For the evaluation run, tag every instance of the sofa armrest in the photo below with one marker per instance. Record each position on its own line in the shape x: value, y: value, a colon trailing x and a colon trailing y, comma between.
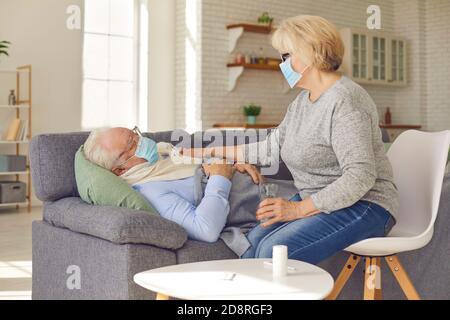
x: 116, y: 224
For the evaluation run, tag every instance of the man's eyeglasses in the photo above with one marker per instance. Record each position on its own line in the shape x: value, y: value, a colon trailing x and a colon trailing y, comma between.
x: 136, y: 132
x: 285, y: 56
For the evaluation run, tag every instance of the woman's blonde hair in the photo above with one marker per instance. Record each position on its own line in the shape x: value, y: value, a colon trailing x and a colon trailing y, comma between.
x: 314, y: 39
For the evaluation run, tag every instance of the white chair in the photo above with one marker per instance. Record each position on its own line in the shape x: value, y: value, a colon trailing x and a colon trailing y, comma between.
x: 418, y: 161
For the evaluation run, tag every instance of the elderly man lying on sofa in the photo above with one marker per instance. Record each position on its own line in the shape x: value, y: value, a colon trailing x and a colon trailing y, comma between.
x: 194, y: 196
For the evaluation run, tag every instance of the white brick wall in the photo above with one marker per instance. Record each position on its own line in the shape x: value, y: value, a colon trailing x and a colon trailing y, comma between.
x: 409, y: 101
x: 437, y: 29
x: 409, y: 18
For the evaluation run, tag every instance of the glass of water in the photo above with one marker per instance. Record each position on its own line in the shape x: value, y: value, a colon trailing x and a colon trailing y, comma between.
x: 267, y: 190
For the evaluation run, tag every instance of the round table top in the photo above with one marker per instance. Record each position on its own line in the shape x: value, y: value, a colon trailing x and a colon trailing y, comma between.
x: 238, y: 279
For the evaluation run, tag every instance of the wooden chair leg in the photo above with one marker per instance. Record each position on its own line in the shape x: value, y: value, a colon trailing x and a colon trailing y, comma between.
x: 372, y: 279
x: 160, y: 296
x: 402, y: 278
x: 343, y: 277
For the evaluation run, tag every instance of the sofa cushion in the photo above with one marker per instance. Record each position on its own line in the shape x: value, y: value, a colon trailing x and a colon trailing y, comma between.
x: 99, y: 186
x: 115, y: 224
x: 51, y: 161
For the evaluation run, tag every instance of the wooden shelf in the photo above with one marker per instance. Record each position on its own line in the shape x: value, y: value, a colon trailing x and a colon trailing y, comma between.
x: 13, y: 71
x: 400, y: 126
x: 235, y: 70
x: 18, y: 106
x: 235, y: 31
x: 257, y: 66
x: 244, y: 125
x: 13, y: 142
x: 12, y: 173
x: 271, y: 125
x: 255, y: 28
x: 24, y: 101
x: 27, y: 203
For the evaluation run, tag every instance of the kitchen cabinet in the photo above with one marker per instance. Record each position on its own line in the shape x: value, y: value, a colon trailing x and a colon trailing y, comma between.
x: 373, y: 57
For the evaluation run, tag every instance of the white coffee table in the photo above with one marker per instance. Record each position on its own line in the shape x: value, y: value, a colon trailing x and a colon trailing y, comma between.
x: 252, y: 280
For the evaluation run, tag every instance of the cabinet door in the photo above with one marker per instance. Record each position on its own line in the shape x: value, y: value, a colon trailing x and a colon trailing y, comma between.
x: 359, y: 57
x: 398, y: 61
x: 379, y: 66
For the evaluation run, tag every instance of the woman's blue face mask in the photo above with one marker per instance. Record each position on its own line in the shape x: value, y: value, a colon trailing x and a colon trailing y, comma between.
x: 292, y: 77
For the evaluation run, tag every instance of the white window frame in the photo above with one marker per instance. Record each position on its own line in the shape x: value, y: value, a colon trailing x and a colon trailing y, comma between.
x: 140, y: 75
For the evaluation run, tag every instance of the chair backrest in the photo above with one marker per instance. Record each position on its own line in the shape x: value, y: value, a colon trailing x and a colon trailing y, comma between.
x: 418, y: 161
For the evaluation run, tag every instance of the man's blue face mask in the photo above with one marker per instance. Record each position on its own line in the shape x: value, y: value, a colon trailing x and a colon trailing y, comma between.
x: 292, y: 77
x: 146, y: 149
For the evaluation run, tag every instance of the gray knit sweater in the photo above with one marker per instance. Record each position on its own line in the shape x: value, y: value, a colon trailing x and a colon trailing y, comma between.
x: 333, y: 149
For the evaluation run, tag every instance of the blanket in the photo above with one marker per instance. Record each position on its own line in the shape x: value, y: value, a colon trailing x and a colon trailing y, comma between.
x: 244, y: 199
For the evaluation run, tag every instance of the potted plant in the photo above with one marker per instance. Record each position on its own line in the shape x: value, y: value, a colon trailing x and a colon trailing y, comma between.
x: 4, y: 46
x: 251, y: 111
x: 265, y: 19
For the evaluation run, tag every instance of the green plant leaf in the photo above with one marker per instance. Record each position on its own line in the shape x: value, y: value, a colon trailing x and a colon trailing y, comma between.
x: 4, y: 52
x: 252, y: 110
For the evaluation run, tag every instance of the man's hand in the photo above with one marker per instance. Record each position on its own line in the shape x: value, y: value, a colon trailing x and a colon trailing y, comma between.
x: 224, y: 170
x: 251, y: 170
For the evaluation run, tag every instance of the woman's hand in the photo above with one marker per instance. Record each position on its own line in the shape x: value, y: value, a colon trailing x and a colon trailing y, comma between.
x: 231, y: 153
x: 251, y: 170
x: 275, y: 210
x: 199, y: 153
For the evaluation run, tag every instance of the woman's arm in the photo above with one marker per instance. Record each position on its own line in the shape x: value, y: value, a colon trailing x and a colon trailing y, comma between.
x: 231, y: 154
x: 258, y: 153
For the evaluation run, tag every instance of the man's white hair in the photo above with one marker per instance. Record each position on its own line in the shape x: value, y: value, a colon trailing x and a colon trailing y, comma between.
x: 95, y: 151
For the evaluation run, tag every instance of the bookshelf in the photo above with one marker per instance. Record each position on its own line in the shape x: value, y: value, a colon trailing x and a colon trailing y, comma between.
x: 23, y: 106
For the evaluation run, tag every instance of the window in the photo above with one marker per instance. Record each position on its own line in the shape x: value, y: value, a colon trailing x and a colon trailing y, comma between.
x: 115, y: 57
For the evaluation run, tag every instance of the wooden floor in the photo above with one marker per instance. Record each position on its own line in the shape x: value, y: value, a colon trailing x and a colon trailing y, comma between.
x: 15, y: 252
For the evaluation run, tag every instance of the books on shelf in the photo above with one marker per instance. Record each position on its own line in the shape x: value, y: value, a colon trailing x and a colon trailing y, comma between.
x: 23, y: 131
x: 13, y: 128
x: 17, y: 130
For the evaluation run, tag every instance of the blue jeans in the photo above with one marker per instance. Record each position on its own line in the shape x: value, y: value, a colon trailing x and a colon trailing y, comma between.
x: 318, y: 237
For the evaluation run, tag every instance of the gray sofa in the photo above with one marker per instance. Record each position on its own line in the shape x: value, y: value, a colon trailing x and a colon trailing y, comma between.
x: 106, y: 246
